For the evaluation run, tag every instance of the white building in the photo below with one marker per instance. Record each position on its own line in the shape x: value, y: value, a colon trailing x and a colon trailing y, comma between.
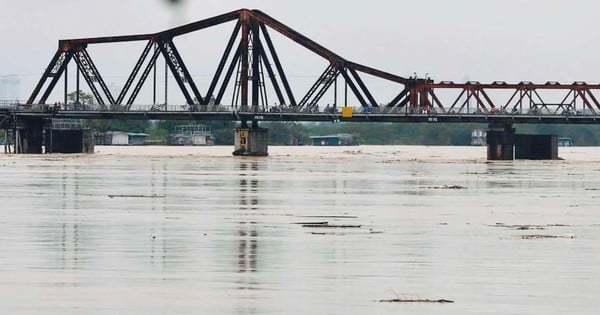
x: 118, y: 138
x: 478, y: 137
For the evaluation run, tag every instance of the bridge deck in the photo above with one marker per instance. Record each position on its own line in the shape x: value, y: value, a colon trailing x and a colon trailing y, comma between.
x: 316, y: 117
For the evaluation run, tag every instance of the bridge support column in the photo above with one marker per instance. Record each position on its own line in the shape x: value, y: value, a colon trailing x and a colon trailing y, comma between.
x: 251, y: 141
x: 29, y: 136
x: 500, y: 142
x: 69, y: 141
x: 536, y: 147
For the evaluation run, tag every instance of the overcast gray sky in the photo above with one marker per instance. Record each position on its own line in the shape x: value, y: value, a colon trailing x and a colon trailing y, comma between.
x: 484, y: 40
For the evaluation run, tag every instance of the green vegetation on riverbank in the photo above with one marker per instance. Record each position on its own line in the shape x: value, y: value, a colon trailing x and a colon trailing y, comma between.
x: 282, y: 133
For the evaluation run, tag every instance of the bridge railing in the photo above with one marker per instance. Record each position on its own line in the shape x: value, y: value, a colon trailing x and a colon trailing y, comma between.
x: 541, y: 110
x: 7, y: 104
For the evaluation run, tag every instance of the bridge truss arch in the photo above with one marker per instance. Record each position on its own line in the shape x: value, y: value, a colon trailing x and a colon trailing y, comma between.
x: 250, y: 63
x: 249, y: 50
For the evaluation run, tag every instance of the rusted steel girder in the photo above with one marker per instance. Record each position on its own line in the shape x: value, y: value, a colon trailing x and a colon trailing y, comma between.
x: 170, y: 33
x: 53, y: 72
x: 254, y: 50
x: 251, y: 56
x: 222, y: 62
x: 518, y: 97
x: 279, y: 67
x: 141, y: 80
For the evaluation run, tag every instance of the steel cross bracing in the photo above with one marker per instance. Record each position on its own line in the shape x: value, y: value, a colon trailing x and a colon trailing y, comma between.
x: 255, y: 55
x: 576, y: 98
x: 251, y: 59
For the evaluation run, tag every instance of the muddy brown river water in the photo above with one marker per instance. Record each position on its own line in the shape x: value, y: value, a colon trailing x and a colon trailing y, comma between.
x: 165, y: 230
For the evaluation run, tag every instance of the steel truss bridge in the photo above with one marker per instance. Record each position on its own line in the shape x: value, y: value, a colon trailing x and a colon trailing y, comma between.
x: 252, y: 58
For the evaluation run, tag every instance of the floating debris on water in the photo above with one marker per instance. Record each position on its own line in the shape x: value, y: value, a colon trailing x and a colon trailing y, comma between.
x: 447, y: 187
x: 327, y: 225
x: 540, y: 236
x: 137, y: 196
x: 329, y: 216
x: 527, y: 226
x: 416, y: 301
x: 352, y: 152
x: 304, y: 223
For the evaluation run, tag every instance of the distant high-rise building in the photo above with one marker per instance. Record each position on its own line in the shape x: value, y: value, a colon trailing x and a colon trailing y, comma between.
x: 9, y: 88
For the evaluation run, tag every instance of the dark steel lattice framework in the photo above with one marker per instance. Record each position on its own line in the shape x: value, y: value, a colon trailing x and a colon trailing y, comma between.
x: 249, y: 49
x: 252, y: 53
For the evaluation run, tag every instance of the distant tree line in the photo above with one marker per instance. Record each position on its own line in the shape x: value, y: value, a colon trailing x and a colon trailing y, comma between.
x: 284, y: 133
x: 365, y: 133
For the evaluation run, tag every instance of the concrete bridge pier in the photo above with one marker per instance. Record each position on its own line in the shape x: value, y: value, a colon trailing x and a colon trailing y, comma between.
x: 500, y: 142
x: 251, y: 141
x: 536, y: 147
x: 29, y: 136
x: 69, y: 141
x: 68, y: 136
x: 36, y: 136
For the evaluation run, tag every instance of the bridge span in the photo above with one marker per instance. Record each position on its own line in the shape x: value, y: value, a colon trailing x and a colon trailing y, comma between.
x: 253, y: 73
x: 230, y: 113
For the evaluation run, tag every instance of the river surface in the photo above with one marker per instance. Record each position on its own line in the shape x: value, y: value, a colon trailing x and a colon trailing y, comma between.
x: 170, y: 230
